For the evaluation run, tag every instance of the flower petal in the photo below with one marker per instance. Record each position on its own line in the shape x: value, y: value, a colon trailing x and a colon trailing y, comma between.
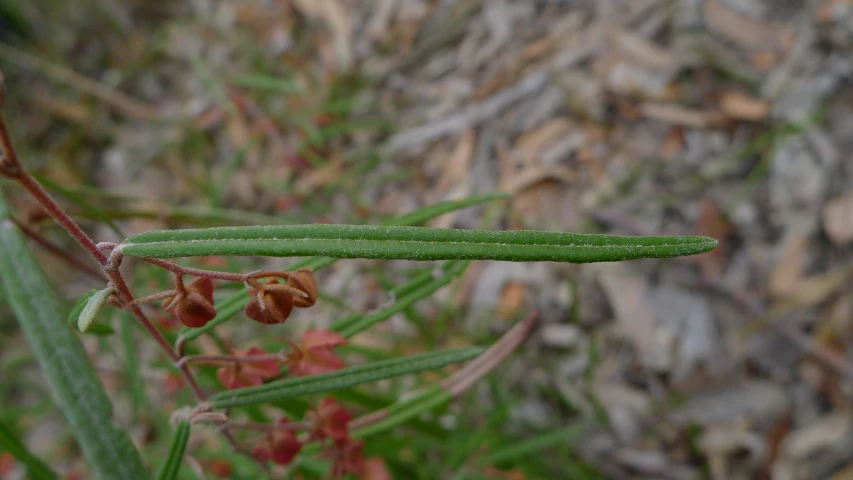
x: 322, y: 338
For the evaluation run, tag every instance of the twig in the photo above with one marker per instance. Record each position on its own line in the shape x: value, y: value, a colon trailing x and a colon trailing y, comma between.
x: 220, y: 359
x: 263, y: 427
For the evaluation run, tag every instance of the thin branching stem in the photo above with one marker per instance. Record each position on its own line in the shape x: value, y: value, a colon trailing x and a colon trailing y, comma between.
x: 263, y: 427
x: 228, y: 359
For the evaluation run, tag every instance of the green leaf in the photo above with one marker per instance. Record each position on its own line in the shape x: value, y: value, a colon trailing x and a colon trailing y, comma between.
x: 92, y: 307
x: 351, y: 325
x: 406, y: 410
x: 76, y: 389
x: 265, y: 82
x: 421, y: 215
x: 9, y: 442
x: 97, y: 328
x: 415, y: 217
x: 348, y: 377
x: 169, y: 470
x: 408, y: 243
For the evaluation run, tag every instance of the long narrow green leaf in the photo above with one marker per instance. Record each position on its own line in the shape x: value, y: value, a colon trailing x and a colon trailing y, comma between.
x: 530, y: 446
x: 9, y: 442
x: 228, y: 308
x: 415, y: 217
x: 408, y: 243
x: 421, y: 215
x: 76, y: 389
x: 402, y: 412
x: 347, y: 377
x: 169, y: 470
x: 350, y: 326
x: 398, y: 292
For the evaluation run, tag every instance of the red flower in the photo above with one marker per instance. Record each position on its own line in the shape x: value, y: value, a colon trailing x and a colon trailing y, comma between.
x: 330, y: 420
x: 194, y: 305
x: 347, y: 458
x: 247, y: 374
x: 277, y: 303
x: 7, y: 464
x: 314, y: 355
x: 219, y: 468
x: 281, y: 446
x: 173, y: 382
x: 375, y: 469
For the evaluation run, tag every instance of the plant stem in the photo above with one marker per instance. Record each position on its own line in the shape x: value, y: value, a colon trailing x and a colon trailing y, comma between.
x: 262, y: 427
x: 219, y: 359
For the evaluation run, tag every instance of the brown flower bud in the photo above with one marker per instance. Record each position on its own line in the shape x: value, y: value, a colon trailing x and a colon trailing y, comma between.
x: 303, y: 280
x: 276, y: 307
x: 193, y: 307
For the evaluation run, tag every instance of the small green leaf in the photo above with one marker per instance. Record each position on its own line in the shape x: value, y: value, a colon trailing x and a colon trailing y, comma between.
x: 348, y: 377
x: 79, y: 306
x: 408, y: 243
x: 93, y: 306
x: 9, y: 442
x: 169, y: 470
x: 76, y: 389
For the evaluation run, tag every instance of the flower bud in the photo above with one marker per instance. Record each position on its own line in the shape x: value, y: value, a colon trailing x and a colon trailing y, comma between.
x: 194, y: 307
x: 303, y: 280
x: 276, y: 307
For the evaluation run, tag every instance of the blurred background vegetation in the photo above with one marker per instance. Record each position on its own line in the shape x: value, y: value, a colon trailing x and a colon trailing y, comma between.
x: 728, y: 118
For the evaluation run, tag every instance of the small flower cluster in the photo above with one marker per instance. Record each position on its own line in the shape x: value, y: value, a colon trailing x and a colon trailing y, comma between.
x: 312, y: 356
x: 329, y: 423
x: 269, y: 303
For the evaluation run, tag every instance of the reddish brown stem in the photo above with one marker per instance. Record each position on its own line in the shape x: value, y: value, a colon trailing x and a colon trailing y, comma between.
x: 11, y: 167
x: 126, y: 296
x: 262, y: 427
x: 220, y: 359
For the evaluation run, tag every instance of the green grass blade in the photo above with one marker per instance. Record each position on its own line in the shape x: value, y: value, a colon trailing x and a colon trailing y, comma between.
x: 348, y: 377
x: 530, y: 446
x: 169, y: 470
x: 421, y: 215
x: 76, y: 389
x: 266, y: 82
x: 402, y: 412
x: 350, y: 326
x: 409, y: 243
x: 92, y: 307
x: 9, y: 442
x: 415, y: 217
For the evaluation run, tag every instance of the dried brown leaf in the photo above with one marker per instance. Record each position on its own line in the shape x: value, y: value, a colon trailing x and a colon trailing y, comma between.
x: 741, y: 106
x: 838, y: 219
